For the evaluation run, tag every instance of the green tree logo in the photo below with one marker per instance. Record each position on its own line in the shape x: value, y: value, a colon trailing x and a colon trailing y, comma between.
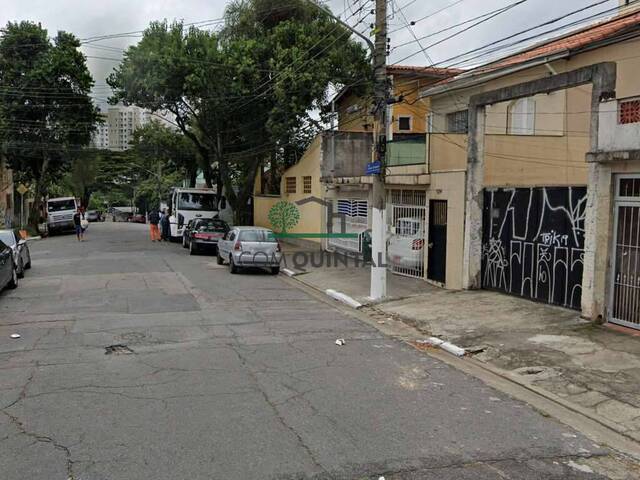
x: 284, y: 216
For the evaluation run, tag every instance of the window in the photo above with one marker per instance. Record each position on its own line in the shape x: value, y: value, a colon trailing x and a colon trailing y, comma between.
x: 306, y: 184
x: 197, y: 201
x: 458, y: 122
x: 290, y: 184
x: 404, y: 124
x: 629, y: 111
x: 522, y: 116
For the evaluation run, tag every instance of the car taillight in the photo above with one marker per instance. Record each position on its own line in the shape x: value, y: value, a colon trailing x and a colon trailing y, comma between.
x: 237, y: 246
x: 417, y: 244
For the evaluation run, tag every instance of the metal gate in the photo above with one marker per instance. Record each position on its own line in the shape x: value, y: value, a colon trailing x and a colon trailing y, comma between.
x: 624, y: 305
x: 407, y: 220
x: 533, y: 243
x: 355, y: 214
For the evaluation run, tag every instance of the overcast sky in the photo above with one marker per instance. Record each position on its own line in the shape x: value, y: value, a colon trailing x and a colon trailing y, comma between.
x: 87, y: 19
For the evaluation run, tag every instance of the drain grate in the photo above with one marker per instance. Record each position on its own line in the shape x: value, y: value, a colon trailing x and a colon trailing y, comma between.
x: 117, y: 350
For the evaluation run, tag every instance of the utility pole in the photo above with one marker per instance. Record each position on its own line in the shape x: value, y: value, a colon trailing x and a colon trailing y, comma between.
x: 378, y: 214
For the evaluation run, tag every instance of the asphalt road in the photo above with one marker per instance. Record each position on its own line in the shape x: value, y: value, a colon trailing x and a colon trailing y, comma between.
x: 235, y: 377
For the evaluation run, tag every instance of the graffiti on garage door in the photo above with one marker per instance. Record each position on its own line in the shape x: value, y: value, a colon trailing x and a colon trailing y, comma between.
x: 533, y: 243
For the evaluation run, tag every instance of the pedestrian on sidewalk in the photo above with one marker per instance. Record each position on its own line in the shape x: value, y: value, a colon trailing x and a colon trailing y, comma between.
x: 78, y: 219
x: 154, y: 219
x: 165, y: 228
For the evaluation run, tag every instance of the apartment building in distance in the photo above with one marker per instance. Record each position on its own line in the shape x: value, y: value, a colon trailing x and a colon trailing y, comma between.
x: 122, y: 121
x: 100, y: 138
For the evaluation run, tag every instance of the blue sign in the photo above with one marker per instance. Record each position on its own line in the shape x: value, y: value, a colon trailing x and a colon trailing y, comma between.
x: 374, y: 168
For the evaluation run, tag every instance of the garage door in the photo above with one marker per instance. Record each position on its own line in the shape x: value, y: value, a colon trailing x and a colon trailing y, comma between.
x: 533, y: 243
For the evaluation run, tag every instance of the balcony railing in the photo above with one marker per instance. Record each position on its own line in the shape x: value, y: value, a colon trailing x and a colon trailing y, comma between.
x: 407, y: 151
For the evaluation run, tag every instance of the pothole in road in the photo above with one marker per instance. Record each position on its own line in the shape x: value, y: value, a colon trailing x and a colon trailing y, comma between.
x: 118, y: 350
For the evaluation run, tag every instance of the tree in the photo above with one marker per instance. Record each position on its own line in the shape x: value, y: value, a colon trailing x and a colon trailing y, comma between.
x: 45, y: 109
x: 283, y: 216
x: 243, y: 96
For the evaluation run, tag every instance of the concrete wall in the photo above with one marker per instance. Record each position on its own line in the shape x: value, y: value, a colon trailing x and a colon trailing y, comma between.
x: 353, y: 150
x: 613, y: 136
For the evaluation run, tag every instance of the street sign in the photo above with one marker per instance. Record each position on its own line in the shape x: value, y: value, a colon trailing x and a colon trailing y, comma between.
x: 374, y: 168
x: 22, y: 189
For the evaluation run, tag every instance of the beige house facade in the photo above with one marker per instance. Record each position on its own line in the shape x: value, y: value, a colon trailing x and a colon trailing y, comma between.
x: 7, y: 208
x: 537, y: 157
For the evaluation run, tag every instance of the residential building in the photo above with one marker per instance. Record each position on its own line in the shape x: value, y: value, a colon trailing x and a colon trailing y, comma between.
x: 100, y: 138
x: 534, y: 173
x: 122, y: 121
x: 329, y: 184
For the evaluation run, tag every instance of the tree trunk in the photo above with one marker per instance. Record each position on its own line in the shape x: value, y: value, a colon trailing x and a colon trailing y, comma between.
x: 34, y: 212
x: 238, y: 201
x: 193, y: 177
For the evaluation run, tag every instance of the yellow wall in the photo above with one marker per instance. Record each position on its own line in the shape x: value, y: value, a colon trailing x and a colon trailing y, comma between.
x: 447, y: 151
x: 451, y: 187
x: 261, y: 206
x: 311, y: 214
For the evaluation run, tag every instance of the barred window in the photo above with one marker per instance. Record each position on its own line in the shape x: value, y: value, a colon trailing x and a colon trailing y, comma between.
x: 629, y: 111
x: 306, y: 184
x: 458, y: 122
x: 290, y: 184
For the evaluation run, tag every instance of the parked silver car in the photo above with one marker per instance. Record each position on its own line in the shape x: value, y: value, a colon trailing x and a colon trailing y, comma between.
x: 250, y: 247
x: 20, y: 249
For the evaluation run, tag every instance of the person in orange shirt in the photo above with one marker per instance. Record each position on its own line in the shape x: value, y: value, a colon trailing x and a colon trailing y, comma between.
x: 154, y: 220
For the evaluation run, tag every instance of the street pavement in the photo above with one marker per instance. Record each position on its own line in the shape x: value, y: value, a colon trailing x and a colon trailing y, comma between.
x: 220, y: 376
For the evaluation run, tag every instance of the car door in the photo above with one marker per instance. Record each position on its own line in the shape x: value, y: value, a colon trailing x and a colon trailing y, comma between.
x: 6, y: 264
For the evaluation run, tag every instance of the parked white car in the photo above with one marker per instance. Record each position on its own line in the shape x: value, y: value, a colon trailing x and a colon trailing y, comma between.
x: 250, y: 247
x: 406, y: 244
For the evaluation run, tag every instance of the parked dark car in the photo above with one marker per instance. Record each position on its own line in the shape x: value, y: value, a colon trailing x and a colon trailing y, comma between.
x: 203, y: 234
x: 19, y: 248
x: 8, y: 271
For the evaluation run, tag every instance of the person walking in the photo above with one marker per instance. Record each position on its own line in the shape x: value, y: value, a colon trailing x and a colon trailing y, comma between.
x: 78, y: 217
x: 154, y: 219
x: 165, y: 226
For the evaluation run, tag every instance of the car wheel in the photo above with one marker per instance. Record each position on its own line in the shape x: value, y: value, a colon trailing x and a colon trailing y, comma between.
x: 14, y: 278
x: 275, y: 270
x: 184, y: 242
x: 28, y: 264
x: 20, y: 269
x: 232, y: 266
x: 219, y: 259
x: 193, y: 249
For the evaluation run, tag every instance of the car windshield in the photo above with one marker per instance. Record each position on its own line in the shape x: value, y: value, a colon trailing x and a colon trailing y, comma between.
x: 211, y: 226
x: 60, y: 205
x: 197, y: 201
x: 257, y: 236
x: 7, y: 238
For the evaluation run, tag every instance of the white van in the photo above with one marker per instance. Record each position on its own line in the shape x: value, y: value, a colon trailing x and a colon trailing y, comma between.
x: 60, y: 213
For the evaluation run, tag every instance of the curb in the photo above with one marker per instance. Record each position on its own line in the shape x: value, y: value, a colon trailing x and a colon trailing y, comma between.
x: 341, y: 297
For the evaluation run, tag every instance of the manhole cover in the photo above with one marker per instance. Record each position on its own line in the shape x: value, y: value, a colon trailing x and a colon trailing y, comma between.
x: 117, y: 350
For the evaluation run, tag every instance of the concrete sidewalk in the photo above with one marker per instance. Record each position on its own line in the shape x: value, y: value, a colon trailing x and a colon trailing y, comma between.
x: 592, y: 369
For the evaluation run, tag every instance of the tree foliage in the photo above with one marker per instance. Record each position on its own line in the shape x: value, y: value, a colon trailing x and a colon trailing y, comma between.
x: 283, y: 216
x: 45, y: 110
x: 243, y: 96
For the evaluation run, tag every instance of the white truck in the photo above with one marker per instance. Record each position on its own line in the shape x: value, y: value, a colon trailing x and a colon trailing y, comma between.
x: 190, y: 203
x: 60, y: 213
